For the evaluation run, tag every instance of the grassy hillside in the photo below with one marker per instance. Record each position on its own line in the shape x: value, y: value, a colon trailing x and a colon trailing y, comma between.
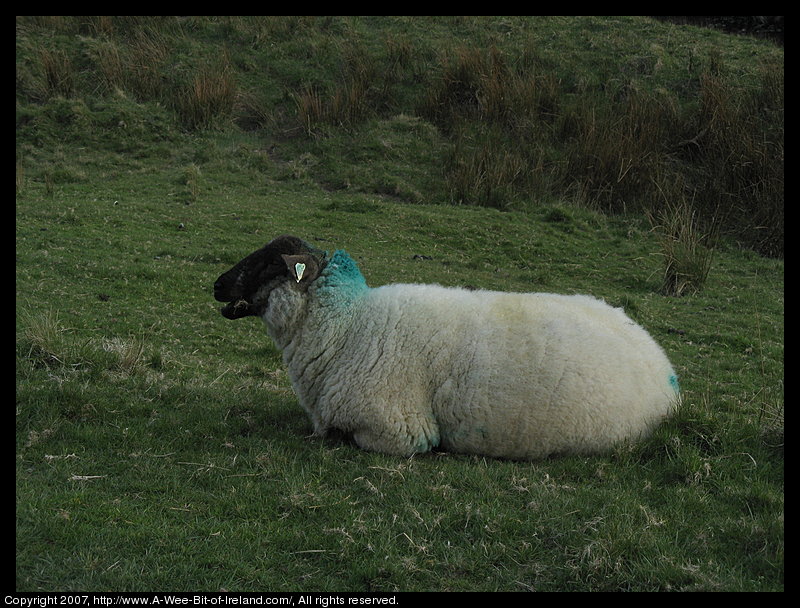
x: 620, y: 114
x: 159, y: 446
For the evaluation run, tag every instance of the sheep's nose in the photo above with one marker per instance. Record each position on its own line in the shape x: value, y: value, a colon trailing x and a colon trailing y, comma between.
x: 219, y: 291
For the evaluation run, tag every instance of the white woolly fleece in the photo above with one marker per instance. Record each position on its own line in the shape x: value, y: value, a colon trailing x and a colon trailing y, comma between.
x: 407, y: 368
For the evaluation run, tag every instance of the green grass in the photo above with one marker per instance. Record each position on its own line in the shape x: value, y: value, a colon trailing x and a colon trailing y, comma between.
x: 159, y: 446
x: 617, y: 113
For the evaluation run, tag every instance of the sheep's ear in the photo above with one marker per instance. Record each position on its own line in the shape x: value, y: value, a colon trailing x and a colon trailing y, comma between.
x: 303, y: 268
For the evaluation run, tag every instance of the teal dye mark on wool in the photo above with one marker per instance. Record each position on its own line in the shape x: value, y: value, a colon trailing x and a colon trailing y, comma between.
x: 673, y: 382
x: 426, y: 444
x: 341, y: 281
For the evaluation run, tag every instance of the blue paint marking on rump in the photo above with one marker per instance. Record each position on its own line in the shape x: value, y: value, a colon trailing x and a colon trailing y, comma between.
x: 673, y: 382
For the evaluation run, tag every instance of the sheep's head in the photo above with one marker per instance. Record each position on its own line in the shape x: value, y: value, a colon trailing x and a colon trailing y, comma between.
x: 246, y: 286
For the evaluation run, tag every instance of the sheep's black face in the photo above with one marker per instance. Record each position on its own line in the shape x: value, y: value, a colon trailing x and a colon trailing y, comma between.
x: 241, y: 283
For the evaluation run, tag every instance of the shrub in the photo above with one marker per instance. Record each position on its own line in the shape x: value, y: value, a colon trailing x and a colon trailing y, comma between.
x: 208, y: 96
x: 482, y: 170
x: 58, y: 74
x: 687, y: 250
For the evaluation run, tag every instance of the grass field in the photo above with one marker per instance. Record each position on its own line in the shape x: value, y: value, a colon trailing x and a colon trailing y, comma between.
x: 160, y: 446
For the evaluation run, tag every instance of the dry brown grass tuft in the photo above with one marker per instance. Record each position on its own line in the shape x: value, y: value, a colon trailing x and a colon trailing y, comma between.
x: 686, y: 248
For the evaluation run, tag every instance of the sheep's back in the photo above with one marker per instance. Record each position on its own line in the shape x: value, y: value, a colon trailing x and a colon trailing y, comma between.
x: 524, y: 375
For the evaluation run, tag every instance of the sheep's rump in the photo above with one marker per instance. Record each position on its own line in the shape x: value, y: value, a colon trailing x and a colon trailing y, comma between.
x: 500, y: 374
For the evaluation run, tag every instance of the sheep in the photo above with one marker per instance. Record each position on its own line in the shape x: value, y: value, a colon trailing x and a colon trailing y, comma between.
x: 409, y: 368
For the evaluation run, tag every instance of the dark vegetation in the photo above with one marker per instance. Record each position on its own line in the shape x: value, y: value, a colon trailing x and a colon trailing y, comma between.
x: 540, y: 109
x: 770, y: 27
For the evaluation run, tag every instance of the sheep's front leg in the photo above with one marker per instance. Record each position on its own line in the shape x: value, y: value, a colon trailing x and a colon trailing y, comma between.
x: 395, y: 424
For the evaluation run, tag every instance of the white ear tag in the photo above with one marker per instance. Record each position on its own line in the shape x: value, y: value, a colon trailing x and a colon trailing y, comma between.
x: 299, y: 269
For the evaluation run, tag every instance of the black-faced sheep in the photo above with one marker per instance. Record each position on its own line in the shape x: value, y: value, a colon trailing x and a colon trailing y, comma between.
x: 408, y: 368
